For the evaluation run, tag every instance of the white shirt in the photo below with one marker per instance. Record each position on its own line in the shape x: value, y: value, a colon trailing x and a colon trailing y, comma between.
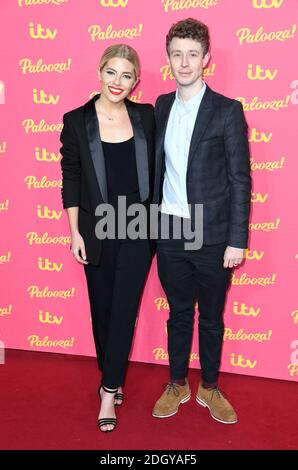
x: 177, y: 142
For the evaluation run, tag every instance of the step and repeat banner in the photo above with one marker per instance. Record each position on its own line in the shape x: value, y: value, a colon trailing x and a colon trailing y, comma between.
x: 49, y: 52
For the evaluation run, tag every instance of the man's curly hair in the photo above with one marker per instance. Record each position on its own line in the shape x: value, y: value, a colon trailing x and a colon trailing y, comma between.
x: 190, y: 29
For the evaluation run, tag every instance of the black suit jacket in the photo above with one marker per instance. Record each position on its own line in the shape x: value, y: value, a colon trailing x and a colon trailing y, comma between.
x: 84, y: 182
x: 218, y: 172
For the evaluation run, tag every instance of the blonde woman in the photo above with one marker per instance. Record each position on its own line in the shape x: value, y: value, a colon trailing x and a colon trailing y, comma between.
x: 107, y: 152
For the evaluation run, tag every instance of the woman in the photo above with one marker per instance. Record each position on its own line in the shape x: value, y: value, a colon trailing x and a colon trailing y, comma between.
x: 108, y: 151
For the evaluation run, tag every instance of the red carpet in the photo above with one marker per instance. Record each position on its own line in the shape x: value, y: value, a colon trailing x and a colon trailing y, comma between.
x: 49, y: 401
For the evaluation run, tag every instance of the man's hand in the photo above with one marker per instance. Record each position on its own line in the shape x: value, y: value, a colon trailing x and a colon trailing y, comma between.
x: 233, y: 257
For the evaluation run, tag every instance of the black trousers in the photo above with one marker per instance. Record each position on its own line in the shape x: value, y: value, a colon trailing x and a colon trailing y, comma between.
x: 115, y: 288
x: 187, y: 277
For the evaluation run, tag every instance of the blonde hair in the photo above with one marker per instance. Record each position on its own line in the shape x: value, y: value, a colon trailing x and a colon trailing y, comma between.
x: 124, y: 52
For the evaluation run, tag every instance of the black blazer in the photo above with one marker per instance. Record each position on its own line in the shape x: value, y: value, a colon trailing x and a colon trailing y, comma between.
x: 84, y: 181
x: 218, y: 172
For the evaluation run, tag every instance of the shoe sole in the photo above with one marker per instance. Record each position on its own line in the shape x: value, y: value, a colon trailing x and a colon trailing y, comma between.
x: 184, y: 400
x: 205, y: 405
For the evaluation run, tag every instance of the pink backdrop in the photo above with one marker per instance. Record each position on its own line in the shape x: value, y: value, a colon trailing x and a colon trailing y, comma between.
x: 49, y: 54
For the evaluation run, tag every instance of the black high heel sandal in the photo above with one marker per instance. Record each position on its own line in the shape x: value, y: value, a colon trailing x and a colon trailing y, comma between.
x: 118, y: 396
x: 104, y: 421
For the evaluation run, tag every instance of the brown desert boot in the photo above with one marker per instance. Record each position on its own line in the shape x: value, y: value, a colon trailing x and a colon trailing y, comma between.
x: 220, y: 409
x: 168, y: 404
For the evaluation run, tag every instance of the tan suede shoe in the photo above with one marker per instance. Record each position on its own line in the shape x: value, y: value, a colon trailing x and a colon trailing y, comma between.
x: 219, y: 407
x: 168, y: 404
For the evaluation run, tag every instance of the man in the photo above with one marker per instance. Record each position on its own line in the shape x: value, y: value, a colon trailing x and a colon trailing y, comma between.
x: 202, y: 158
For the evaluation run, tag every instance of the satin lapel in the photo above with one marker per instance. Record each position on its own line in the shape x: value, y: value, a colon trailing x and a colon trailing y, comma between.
x: 95, y: 147
x: 162, y: 117
x: 161, y: 126
x: 204, y: 115
x: 140, y: 148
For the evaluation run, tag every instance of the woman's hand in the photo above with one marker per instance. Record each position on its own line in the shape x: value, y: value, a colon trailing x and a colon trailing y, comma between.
x: 78, y: 248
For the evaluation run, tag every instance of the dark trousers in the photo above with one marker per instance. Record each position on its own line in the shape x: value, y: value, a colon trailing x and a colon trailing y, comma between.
x: 115, y: 288
x: 187, y: 277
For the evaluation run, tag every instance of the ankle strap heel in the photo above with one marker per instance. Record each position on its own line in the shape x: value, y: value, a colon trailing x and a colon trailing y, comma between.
x: 108, y: 390
x: 104, y: 421
x: 118, y: 396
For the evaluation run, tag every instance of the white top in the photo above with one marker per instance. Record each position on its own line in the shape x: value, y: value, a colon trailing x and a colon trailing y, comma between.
x: 177, y: 142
